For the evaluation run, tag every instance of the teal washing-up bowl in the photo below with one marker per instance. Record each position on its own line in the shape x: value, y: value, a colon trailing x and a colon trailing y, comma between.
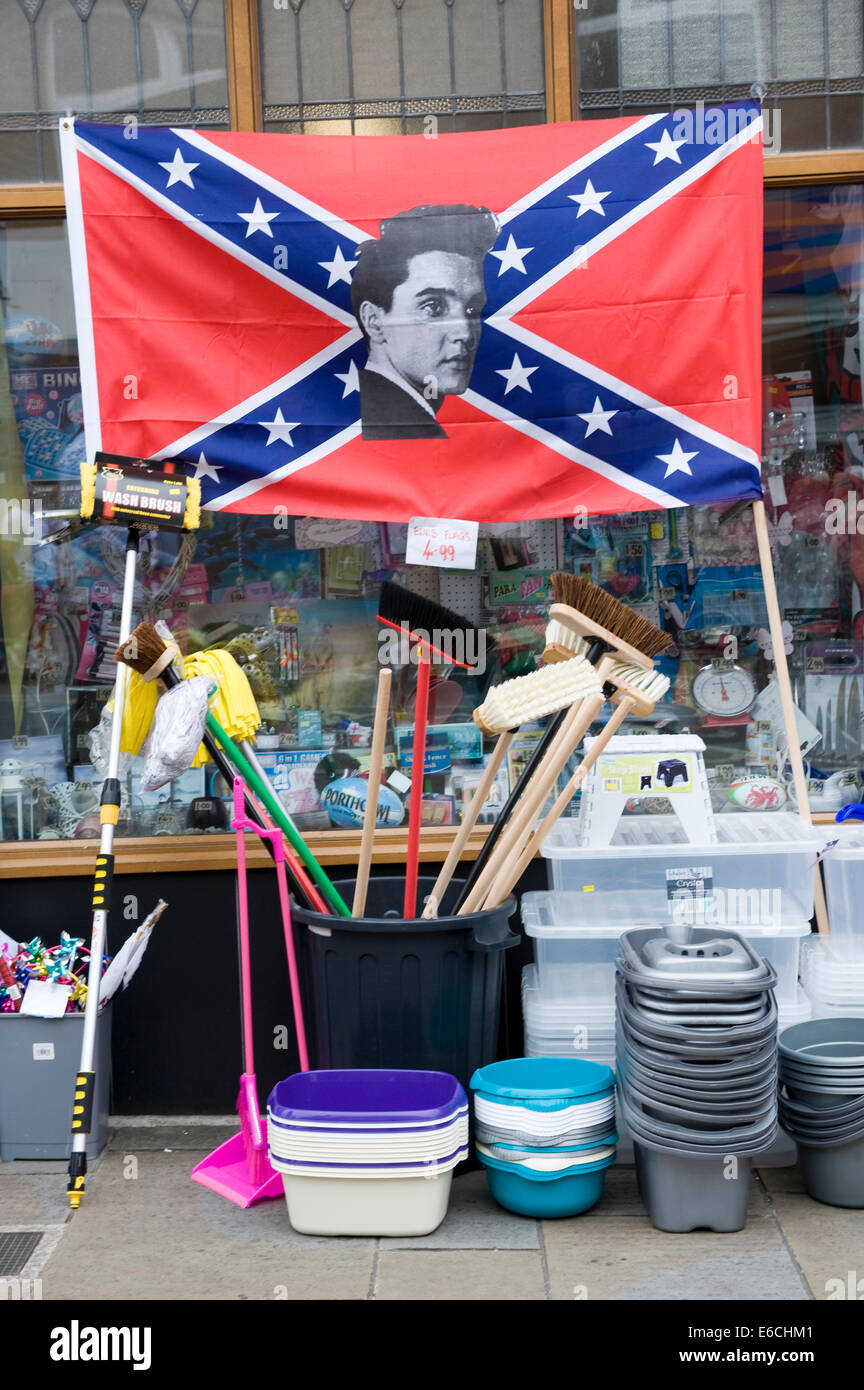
x: 529, y: 1193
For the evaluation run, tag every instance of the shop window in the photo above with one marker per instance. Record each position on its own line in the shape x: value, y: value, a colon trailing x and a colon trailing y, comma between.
x: 296, y: 602
x: 389, y: 67
x: 159, y: 61
x: 638, y: 56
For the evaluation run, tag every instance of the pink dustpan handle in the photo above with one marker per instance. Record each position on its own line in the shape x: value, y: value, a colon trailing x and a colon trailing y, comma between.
x: 287, y: 928
x: 239, y: 824
x: 274, y: 835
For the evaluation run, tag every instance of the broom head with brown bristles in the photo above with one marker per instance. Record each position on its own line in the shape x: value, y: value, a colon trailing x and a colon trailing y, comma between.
x: 583, y: 610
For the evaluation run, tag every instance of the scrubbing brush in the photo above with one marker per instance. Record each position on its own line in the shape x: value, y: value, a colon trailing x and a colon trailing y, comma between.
x: 507, y: 706
x: 583, y: 613
x: 431, y: 628
x: 637, y: 692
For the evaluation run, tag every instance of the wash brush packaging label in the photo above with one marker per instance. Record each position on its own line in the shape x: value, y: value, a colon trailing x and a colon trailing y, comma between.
x: 130, y: 490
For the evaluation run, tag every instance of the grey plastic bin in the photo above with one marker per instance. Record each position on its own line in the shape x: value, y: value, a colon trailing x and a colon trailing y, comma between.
x: 39, y: 1060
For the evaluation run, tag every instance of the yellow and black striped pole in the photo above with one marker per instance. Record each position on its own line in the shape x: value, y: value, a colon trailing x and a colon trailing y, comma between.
x: 109, y: 812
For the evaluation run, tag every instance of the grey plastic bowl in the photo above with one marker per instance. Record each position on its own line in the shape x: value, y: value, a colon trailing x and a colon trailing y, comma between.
x: 836, y: 1076
x: 711, y: 1075
x: 736, y: 1050
x: 834, y: 1175
x: 847, y: 1110
x: 700, y: 1034
x: 735, y: 1135
x: 722, y: 1144
x: 819, y: 1137
x: 713, y: 1107
x: 683, y: 1192
x: 839, y: 1042
x: 741, y: 1063
x: 693, y: 1093
x: 820, y: 1097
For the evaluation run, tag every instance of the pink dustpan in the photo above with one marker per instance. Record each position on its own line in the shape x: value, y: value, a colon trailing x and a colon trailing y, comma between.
x: 240, y: 1169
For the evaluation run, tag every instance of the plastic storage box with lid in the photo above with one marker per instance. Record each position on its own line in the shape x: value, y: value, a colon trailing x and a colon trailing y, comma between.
x: 575, y: 957
x: 843, y: 867
x: 761, y: 868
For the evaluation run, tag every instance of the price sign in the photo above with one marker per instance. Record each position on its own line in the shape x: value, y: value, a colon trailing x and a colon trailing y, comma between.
x: 444, y: 543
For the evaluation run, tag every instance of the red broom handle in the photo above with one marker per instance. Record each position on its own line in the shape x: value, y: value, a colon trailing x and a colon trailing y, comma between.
x: 418, y: 760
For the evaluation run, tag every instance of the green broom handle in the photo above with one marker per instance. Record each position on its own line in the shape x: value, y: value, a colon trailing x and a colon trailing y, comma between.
x: 277, y: 811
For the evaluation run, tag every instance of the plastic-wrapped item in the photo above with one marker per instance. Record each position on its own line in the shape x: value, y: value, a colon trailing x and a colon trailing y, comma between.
x: 176, y: 731
x: 99, y: 740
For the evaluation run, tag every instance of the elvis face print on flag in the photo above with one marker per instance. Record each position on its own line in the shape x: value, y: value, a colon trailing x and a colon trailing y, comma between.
x: 533, y: 322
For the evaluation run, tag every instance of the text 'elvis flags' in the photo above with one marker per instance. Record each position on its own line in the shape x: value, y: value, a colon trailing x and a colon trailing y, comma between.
x: 505, y: 325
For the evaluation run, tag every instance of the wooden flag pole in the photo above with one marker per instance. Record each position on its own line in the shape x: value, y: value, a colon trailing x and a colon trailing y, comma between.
x: 784, y: 687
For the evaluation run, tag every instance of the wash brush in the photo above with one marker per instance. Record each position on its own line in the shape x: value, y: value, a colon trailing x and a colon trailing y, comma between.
x: 152, y: 657
x: 584, y: 621
x: 637, y: 691
x: 595, y: 624
x: 508, y: 706
x: 429, y: 626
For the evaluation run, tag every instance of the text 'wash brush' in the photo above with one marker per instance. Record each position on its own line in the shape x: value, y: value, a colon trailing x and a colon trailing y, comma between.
x: 506, y: 708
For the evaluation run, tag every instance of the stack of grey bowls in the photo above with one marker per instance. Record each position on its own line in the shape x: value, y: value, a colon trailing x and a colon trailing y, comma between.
x: 697, y: 1071
x: 822, y: 1105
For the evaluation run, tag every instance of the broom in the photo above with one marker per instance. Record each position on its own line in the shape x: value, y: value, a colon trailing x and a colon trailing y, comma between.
x: 606, y: 632
x: 602, y: 624
x: 421, y: 621
x: 508, y: 706
x: 637, y: 692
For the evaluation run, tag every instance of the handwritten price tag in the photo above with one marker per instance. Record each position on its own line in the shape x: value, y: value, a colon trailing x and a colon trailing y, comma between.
x: 446, y: 544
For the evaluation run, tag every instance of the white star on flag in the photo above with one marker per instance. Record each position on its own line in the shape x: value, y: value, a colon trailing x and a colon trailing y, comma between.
x: 590, y: 200
x: 677, y: 461
x: 512, y: 257
x: 597, y: 418
x: 203, y: 469
x: 665, y: 148
x: 351, y: 379
x: 278, y: 428
x: 515, y: 375
x: 258, y: 220
x: 339, y: 268
x: 178, y: 169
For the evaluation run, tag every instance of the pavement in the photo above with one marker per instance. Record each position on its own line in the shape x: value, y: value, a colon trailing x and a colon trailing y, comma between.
x: 146, y: 1231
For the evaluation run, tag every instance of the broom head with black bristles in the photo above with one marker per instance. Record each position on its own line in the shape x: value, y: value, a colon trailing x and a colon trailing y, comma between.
x: 431, y: 625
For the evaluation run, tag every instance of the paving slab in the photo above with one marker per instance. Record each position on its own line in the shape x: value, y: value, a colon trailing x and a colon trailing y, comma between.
x: 474, y: 1221
x: 460, y: 1275
x: 827, y: 1242
x: 625, y: 1258
x: 159, y: 1235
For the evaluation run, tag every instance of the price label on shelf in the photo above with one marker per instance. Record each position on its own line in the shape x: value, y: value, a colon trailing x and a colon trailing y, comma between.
x: 442, y: 542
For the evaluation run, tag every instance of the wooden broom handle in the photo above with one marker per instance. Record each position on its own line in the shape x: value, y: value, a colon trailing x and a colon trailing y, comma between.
x: 475, y: 806
x: 578, y: 720
x: 376, y: 764
x: 784, y: 688
x: 509, y: 876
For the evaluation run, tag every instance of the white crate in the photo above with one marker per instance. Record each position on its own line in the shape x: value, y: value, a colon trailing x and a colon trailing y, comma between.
x: 843, y: 867
x: 761, y: 870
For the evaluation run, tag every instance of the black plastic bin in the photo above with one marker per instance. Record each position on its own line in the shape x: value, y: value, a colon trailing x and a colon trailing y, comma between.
x: 384, y: 992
